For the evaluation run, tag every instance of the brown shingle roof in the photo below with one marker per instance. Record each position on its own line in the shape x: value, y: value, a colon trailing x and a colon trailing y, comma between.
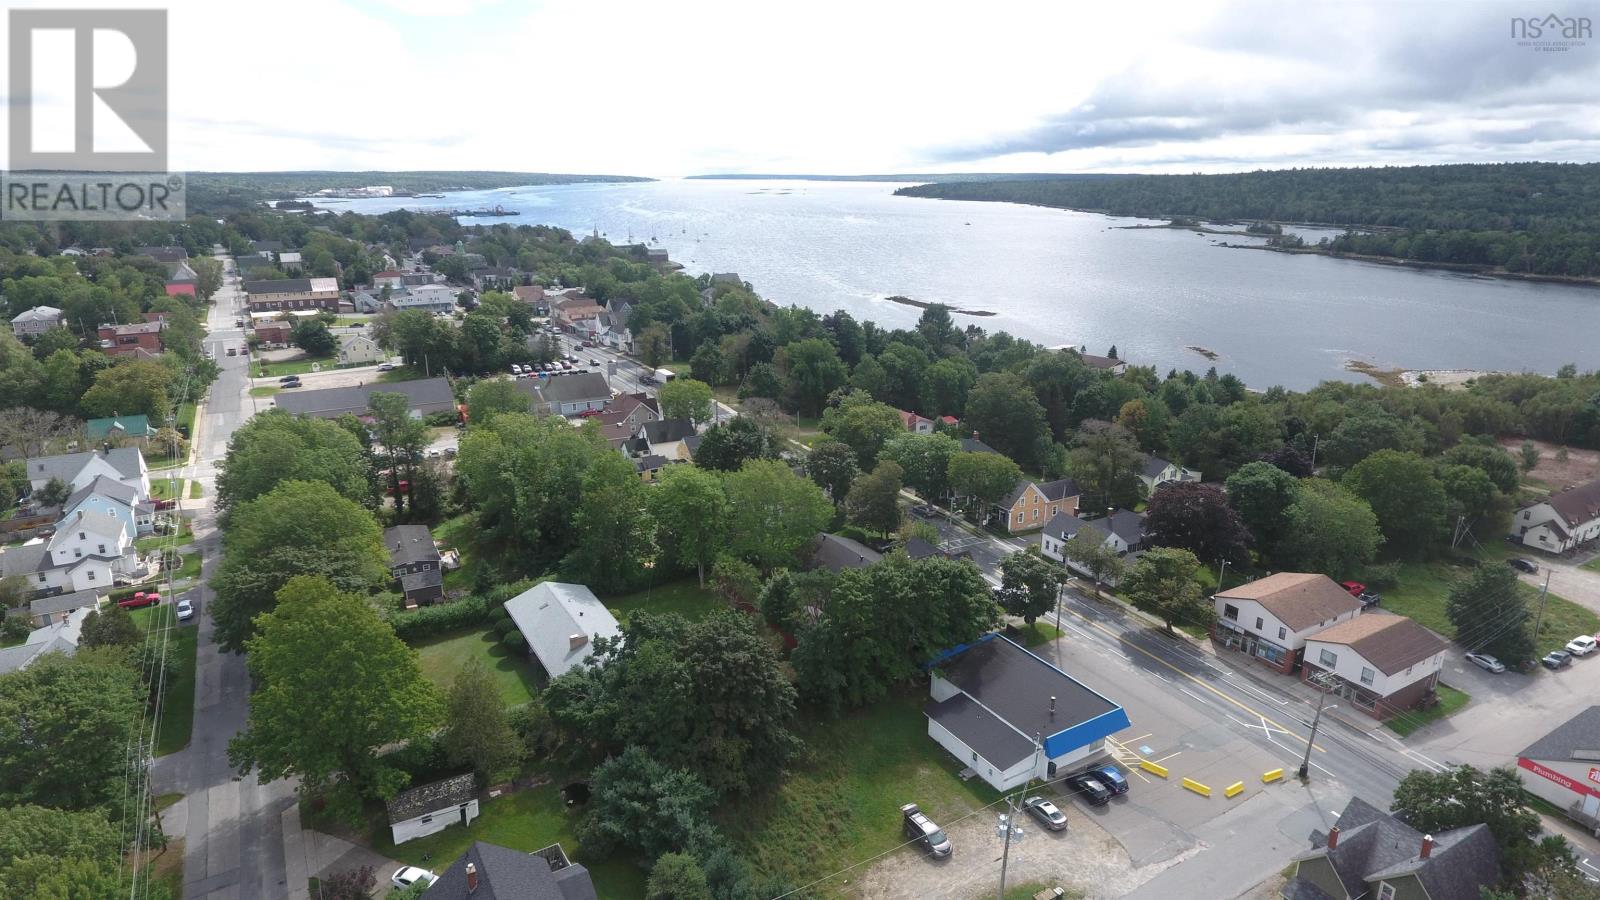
x: 1578, y: 504
x: 1390, y: 642
x: 1298, y: 599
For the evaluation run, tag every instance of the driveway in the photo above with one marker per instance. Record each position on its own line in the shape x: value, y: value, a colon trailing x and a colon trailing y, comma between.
x: 1580, y: 585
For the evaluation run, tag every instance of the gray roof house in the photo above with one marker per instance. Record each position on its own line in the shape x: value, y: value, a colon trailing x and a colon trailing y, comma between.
x: 42, y: 611
x: 125, y: 464
x: 568, y: 395
x: 427, y: 395
x: 491, y: 872
x: 411, y: 548
x: 35, y: 321
x: 58, y: 637
x: 1122, y: 531
x: 1369, y: 853
x: 561, y: 622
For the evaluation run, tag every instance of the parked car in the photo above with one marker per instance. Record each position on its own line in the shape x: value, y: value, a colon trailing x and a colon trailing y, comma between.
x: 1355, y: 588
x: 1370, y: 599
x: 166, y: 504
x: 1486, y: 662
x: 1090, y: 787
x: 449, y: 453
x: 385, y: 367
x: 516, y: 369
x: 139, y: 599
x: 405, y: 487
x: 233, y: 351
x: 921, y: 829
x: 409, y: 875
x: 648, y: 379
x: 1582, y: 645
x: 924, y: 511
x: 434, y: 454
x: 185, y: 610
x: 1556, y: 659
x: 290, y: 384
x: 288, y: 378
x: 1111, y: 777
x: 589, y: 413
x: 1523, y: 565
x: 1046, y: 812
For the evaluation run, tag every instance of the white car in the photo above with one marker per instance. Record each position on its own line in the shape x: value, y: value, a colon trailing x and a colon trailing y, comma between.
x: 409, y: 875
x: 1486, y: 662
x: 385, y: 367
x: 185, y: 610
x: 1582, y: 645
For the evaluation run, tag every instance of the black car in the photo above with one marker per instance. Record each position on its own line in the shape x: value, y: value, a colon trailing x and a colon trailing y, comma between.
x: 923, y: 511
x: 1556, y: 659
x: 1523, y: 565
x: 288, y: 378
x: 1089, y: 786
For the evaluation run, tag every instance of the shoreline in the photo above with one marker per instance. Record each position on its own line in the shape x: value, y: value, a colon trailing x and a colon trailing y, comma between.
x: 1459, y: 268
x: 925, y: 304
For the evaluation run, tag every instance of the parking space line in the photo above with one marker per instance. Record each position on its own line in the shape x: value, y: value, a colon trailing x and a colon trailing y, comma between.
x: 1167, y: 757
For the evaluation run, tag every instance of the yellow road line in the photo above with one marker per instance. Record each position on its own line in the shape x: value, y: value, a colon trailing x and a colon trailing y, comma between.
x: 1254, y: 712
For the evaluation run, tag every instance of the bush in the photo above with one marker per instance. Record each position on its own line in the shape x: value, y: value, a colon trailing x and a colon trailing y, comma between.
x: 856, y: 534
x: 499, y: 594
x: 430, y: 621
x: 515, y: 641
x: 504, y: 627
x: 440, y: 419
x: 1381, y: 576
x: 499, y: 614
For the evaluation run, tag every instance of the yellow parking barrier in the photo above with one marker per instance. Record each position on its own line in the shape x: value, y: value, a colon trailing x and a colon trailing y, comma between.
x: 1197, y: 787
x: 1234, y: 789
x: 1270, y: 777
x: 1153, y: 768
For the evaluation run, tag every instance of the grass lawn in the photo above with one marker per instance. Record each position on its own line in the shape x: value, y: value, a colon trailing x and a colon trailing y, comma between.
x: 194, y: 490
x: 1450, y: 700
x: 162, y: 488
x: 457, y: 533
x: 186, y: 418
x: 515, y: 675
x: 157, y: 541
x: 189, y: 568
x: 264, y: 391
x: 1424, y: 588
x: 523, y: 821
x: 1039, y: 633
x: 163, y: 462
x: 294, y: 366
x: 842, y: 804
x: 402, y: 373
x: 1593, y: 565
x: 177, y: 711
x: 685, y: 598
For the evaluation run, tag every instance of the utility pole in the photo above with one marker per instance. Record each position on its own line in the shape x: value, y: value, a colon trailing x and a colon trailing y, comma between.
x: 1008, y: 819
x: 1543, y: 593
x: 1316, y: 439
x: 1222, y: 574
x: 1322, y: 683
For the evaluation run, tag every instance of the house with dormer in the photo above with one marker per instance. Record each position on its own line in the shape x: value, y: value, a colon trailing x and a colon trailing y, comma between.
x: 1271, y: 618
x: 1562, y: 521
x: 1372, y: 855
x: 123, y: 464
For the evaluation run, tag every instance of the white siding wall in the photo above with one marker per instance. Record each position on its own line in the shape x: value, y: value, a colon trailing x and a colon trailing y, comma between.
x: 1350, y: 663
x: 432, y: 823
x: 1578, y: 771
x: 1250, y: 610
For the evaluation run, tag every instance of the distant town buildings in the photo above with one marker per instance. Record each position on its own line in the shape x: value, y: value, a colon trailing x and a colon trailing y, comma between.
x: 293, y: 293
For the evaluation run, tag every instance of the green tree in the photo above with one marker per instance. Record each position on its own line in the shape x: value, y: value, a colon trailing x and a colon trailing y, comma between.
x: 677, y: 876
x: 865, y: 425
x: 1262, y: 494
x: 402, y: 439
x: 313, y: 336
x: 303, y: 646
x: 1530, y: 456
x: 925, y: 458
x: 686, y: 398
x: 54, y: 493
x: 1162, y: 583
x: 66, y: 723
x: 1471, y: 494
x: 653, y: 345
x: 1197, y: 518
x: 727, y: 446
x: 1359, y: 436
x: 983, y: 479
x: 1435, y: 802
x: 130, y: 387
x: 275, y: 447
x: 1029, y: 584
x: 690, y: 510
x: 874, y: 500
x: 773, y: 513
x: 615, y: 535
x: 1488, y: 612
x: 495, y: 396
x: 1003, y: 409
x: 761, y: 381
x: 636, y: 803
x: 832, y: 465
x: 299, y: 527
x: 814, y: 371
x: 209, y: 272
x: 1329, y: 530
x: 1405, y: 495
x: 1088, y: 548
x: 1105, y: 461
x: 869, y: 378
x: 1488, y: 457
x: 35, y: 838
x: 111, y: 626
x: 948, y: 383
x: 477, y: 731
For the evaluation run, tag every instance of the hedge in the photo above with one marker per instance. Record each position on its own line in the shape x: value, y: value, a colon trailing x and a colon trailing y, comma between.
x: 430, y: 621
x: 499, y: 614
x: 515, y: 641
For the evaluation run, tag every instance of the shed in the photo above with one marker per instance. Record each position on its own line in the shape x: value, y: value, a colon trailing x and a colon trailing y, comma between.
x: 432, y: 808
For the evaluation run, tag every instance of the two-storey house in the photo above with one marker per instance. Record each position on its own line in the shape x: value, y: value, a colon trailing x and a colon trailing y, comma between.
x: 1271, y: 618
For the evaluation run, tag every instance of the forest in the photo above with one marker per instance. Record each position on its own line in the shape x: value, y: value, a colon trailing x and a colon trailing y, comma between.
x: 1537, y: 218
x: 216, y: 193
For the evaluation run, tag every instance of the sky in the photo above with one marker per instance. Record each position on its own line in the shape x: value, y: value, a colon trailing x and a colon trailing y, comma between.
x: 666, y: 89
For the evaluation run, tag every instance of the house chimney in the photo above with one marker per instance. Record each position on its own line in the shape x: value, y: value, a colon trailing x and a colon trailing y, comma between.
x: 472, y: 878
x: 1333, y: 837
x: 575, y: 641
x: 1052, y: 705
x: 1427, y: 847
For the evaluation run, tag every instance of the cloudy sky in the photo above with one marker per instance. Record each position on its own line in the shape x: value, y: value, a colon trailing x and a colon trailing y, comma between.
x: 679, y: 88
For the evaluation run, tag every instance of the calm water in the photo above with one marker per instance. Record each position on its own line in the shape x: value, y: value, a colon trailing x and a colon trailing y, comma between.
x: 1059, y: 277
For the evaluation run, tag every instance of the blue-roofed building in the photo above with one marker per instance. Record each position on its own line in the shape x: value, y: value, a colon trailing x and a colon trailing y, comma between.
x: 1012, y: 717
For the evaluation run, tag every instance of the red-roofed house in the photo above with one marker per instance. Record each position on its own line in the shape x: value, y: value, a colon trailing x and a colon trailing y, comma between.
x: 915, y: 423
x: 180, y: 289
x: 131, y: 340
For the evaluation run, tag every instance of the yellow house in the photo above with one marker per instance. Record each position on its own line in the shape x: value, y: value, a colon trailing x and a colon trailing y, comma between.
x: 1034, y: 503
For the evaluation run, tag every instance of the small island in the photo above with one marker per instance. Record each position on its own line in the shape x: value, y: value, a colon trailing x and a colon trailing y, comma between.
x: 924, y: 304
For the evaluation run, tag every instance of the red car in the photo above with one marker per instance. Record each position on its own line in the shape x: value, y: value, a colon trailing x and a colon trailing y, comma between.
x: 166, y: 504
x: 1355, y: 588
x: 140, y: 599
x: 589, y: 413
x: 405, y: 487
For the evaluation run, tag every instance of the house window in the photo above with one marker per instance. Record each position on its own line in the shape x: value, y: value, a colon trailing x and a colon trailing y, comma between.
x: 1229, y: 611
x: 77, y: 553
x: 1282, y: 633
x: 1385, y: 891
x: 974, y: 756
x: 41, y: 578
x: 1328, y: 658
x: 426, y: 820
x: 91, y: 574
x: 1019, y: 518
x: 1258, y: 623
x: 1367, y: 675
x: 102, y: 548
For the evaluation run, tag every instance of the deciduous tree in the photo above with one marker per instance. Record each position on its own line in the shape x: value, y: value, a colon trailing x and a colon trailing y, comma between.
x: 1405, y: 495
x: 477, y: 731
x: 690, y: 510
x: 865, y: 425
x: 1029, y: 584
x: 66, y: 723
x: 637, y: 803
x: 615, y: 535
x: 1105, y: 461
x: 1262, y: 494
x: 983, y: 479
x: 495, y: 396
x: 1435, y: 802
x: 677, y: 876
x: 773, y: 513
x: 1197, y: 518
x: 1003, y: 409
x: 1162, y: 583
x: 727, y: 446
x: 1088, y: 548
x: 925, y: 459
x: 111, y: 626
x: 275, y: 447
x: 832, y: 465
x: 874, y: 500
x: 686, y: 398
x: 1330, y: 530
x: 1489, y: 614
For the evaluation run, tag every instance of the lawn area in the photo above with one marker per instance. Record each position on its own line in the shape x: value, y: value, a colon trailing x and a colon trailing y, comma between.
x: 1424, y: 588
x: 294, y: 366
x: 457, y: 533
x: 186, y: 418
x: 264, y: 391
x: 523, y: 821
x: 402, y: 373
x: 189, y: 567
x: 515, y: 675
x: 194, y: 490
x: 842, y: 804
x: 1450, y: 700
x: 157, y: 541
x: 163, y: 488
x: 177, y: 711
x: 685, y: 598
x: 1039, y: 633
x: 1593, y: 565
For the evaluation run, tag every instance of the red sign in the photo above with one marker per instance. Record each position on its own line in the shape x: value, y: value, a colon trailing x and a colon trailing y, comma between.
x: 1550, y: 775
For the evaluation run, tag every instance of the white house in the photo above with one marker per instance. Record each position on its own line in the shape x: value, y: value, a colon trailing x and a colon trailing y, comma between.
x: 914, y: 423
x: 1011, y: 717
x: 1122, y: 532
x: 1562, y: 520
x: 570, y: 394
x: 1156, y: 471
x: 89, y: 550
x: 1383, y: 663
x: 358, y: 349
x: 124, y: 464
x: 57, y: 637
x: 1563, y: 767
x: 432, y: 808
x: 434, y: 298
x: 35, y: 321
x: 561, y: 622
x: 1271, y: 618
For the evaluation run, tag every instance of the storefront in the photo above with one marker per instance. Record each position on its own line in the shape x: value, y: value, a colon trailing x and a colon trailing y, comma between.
x: 1232, y: 637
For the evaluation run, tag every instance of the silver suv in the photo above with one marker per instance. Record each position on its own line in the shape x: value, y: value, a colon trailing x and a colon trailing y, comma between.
x: 921, y: 829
